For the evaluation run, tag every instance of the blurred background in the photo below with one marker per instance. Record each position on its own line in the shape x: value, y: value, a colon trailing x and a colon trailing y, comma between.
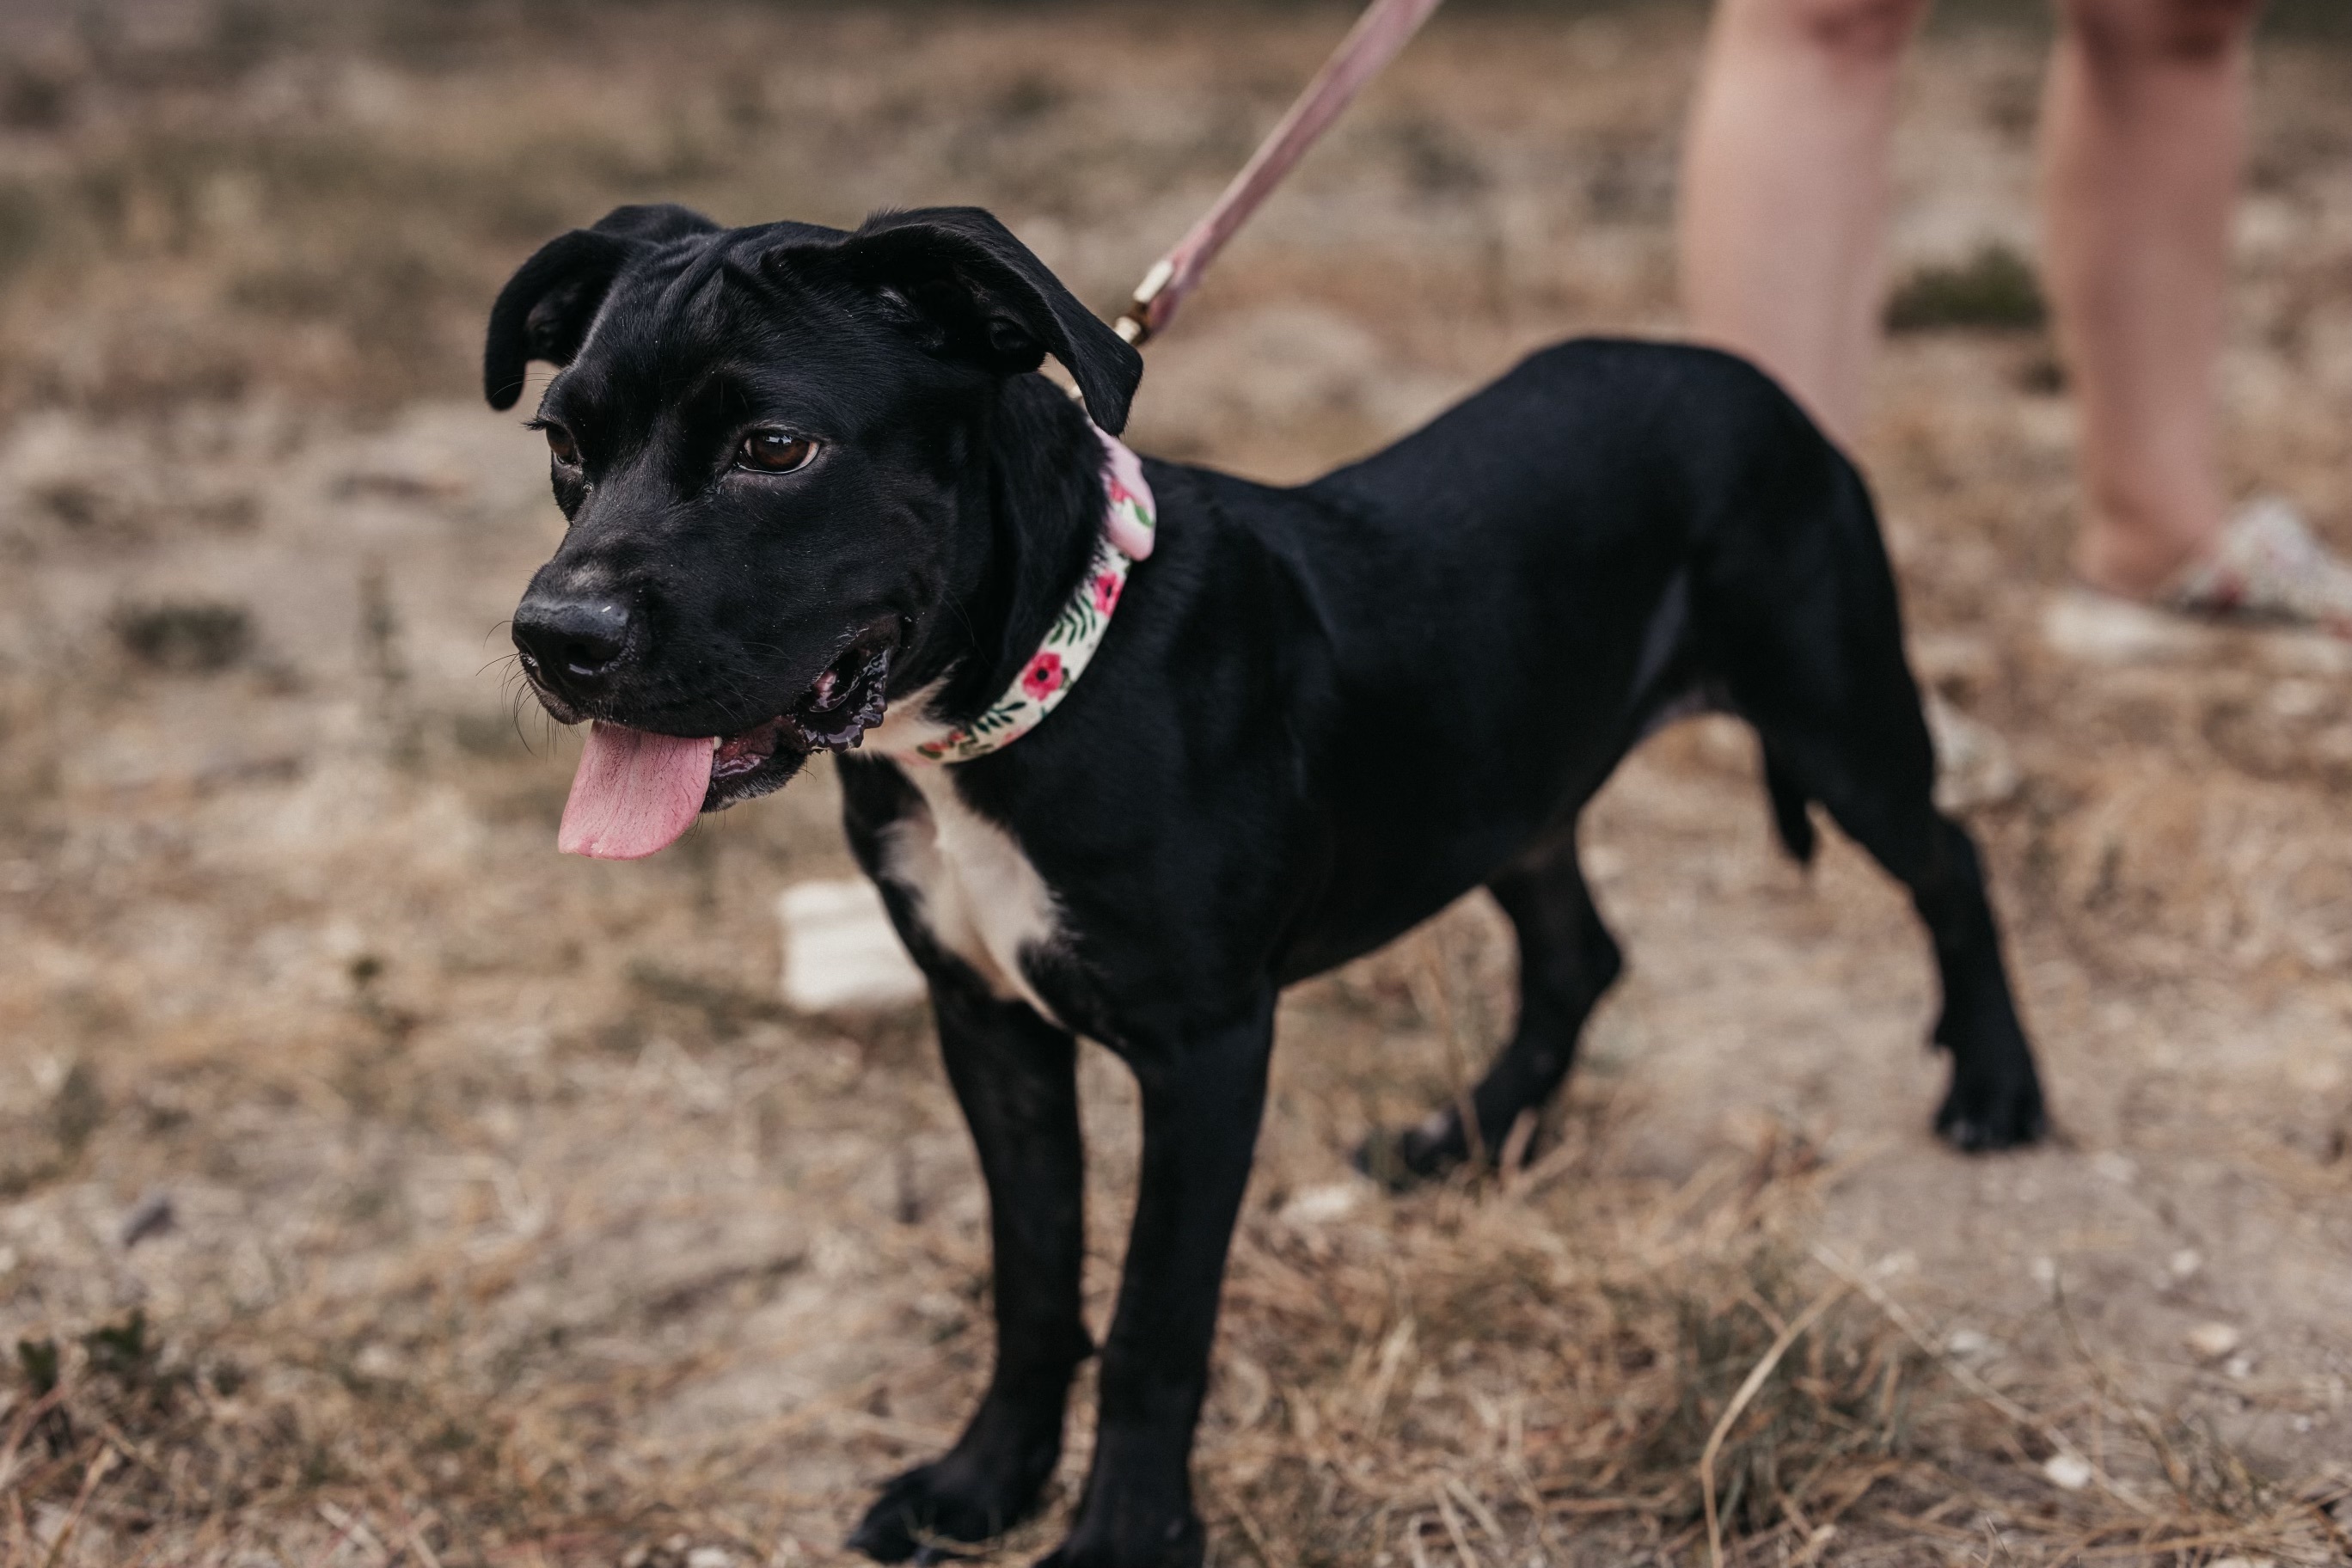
x: 376, y: 1186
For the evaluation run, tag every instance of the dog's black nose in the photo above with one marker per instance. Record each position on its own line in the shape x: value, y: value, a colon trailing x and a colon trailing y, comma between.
x: 573, y: 642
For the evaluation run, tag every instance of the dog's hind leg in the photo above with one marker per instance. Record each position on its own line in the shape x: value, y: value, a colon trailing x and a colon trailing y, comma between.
x: 1016, y: 1078
x: 1996, y: 1096
x: 1803, y: 624
x: 1567, y: 958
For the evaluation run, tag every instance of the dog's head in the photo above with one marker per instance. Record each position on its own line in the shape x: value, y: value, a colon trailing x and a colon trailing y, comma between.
x: 761, y: 438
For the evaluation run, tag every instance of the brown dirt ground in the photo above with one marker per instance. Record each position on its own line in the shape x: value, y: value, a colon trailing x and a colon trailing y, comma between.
x: 510, y: 1219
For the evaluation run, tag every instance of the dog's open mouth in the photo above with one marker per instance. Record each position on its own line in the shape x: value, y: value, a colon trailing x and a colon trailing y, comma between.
x: 637, y: 791
x: 834, y: 714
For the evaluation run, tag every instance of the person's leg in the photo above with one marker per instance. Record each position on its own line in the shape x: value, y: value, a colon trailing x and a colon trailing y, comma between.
x: 1784, y: 190
x: 2144, y: 131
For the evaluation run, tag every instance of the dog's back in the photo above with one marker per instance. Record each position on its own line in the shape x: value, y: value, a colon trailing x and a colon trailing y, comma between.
x: 1496, y: 607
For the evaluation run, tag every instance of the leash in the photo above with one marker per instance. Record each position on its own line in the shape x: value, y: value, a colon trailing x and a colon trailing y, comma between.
x: 1130, y: 526
x: 1385, y: 28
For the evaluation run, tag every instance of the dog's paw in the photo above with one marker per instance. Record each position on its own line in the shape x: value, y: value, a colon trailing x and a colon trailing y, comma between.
x: 953, y: 1499
x: 1175, y: 1543
x: 1421, y: 1152
x: 1979, y: 1116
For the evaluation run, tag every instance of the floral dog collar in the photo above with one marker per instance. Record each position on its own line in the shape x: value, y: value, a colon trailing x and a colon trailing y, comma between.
x: 1070, y: 642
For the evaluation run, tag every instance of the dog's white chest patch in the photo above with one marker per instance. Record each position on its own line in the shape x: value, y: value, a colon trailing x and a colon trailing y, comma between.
x: 977, y: 893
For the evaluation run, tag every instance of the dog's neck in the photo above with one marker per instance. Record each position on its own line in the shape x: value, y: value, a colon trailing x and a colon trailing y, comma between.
x: 1030, y: 509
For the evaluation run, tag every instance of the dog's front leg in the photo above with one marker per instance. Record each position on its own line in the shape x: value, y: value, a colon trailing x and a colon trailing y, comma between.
x: 1016, y: 1077
x: 1202, y: 1101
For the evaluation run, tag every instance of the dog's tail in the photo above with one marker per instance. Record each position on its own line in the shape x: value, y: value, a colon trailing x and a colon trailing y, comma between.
x: 1790, y: 813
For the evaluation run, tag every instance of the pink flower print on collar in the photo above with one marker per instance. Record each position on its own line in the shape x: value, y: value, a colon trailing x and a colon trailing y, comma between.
x: 1130, y: 524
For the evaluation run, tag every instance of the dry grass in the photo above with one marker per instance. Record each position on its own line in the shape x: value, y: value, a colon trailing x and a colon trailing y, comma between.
x: 376, y: 1186
x: 1555, y: 1369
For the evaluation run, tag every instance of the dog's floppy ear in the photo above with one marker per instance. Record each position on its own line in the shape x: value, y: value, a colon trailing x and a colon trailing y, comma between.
x: 983, y: 295
x: 544, y: 311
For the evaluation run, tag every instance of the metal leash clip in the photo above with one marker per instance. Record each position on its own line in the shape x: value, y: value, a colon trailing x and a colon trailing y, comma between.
x: 1135, y: 324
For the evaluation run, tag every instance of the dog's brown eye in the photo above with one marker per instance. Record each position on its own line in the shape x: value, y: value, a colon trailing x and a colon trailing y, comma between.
x: 560, y: 445
x: 774, y: 452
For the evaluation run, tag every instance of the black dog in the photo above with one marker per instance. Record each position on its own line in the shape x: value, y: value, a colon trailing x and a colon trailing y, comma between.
x: 809, y: 476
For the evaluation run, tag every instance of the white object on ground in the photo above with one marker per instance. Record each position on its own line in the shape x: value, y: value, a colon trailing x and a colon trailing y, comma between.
x: 2067, y: 1472
x: 1318, y: 1205
x: 2099, y: 629
x: 841, y: 952
x: 1973, y: 764
x: 2212, y: 1342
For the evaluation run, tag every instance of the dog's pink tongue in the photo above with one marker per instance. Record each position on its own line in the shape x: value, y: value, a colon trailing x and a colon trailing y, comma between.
x: 635, y: 792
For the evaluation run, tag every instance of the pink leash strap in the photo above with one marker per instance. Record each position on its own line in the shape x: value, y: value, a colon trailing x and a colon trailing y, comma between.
x: 1384, y: 28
